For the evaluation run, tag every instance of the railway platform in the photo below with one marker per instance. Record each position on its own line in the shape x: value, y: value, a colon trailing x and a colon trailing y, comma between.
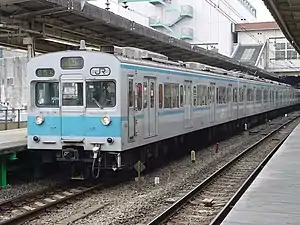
x: 274, y: 196
x: 11, y: 142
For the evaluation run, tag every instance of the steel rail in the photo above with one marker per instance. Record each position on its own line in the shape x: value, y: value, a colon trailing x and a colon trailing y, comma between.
x: 34, y: 212
x: 13, y: 201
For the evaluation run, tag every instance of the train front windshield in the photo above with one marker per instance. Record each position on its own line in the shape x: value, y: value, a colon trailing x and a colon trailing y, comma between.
x: 99, y: 94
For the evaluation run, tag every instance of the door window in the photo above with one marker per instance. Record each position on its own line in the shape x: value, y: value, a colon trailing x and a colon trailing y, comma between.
x: 72, y: 94
x: 145, y: 95
x: 130, y: 93
x: 152, y: 90
x: 139, y: 96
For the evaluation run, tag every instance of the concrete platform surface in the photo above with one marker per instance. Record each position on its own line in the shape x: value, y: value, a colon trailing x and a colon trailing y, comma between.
x: 10, y: 139
x: 274, y: 196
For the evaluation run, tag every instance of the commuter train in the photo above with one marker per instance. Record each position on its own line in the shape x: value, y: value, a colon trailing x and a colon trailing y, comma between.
x: 103, y: 109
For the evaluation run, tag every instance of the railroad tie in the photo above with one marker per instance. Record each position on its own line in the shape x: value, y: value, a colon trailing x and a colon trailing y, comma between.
x: 28, y: 208
x: 39, y: 204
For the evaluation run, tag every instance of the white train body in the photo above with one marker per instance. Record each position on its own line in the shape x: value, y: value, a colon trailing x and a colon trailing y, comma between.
x: 112, y: 103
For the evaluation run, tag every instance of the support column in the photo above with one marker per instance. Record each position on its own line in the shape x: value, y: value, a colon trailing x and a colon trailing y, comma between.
x: 3, y: 167
x: 29, y: 41
x: 3, y: 171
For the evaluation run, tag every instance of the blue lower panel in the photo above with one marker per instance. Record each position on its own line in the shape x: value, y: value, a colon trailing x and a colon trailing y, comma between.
x: 75, y: 126
x: 51, y: 126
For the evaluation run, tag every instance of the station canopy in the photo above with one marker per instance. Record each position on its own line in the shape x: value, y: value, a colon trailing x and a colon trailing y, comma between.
x: 287, y: 15
x: 54, y: 24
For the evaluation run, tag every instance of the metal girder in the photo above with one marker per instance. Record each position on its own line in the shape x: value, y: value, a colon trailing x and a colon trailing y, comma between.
x: 88, y: 23
x: 11, y: 2
x: 289, y: 8
x: 291, y: 20
x: 39, y: 13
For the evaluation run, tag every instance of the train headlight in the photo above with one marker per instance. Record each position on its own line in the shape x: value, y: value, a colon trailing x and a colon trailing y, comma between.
x: 39, y: 120
x: 105, y: 120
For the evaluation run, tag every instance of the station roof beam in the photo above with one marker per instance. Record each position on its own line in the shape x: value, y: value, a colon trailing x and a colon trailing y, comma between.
x: 64, y: 21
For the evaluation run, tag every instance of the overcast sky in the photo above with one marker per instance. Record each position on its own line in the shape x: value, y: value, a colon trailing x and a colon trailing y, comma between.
x: 262, y: 11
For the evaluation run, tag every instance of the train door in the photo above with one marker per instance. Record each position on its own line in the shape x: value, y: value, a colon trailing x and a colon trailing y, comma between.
x: 188, y: 117
x: 72, y: 106
x: 211, y: 95
x: 229, y: 101
x: 131, y: 110
x: 150, y: 109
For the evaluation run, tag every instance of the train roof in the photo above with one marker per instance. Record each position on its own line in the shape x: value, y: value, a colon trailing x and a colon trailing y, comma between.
x: 141, y: 55
x: 130, y: 54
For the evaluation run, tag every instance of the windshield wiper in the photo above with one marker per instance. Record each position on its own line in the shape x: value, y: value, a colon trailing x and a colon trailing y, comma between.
x: 97, y: 103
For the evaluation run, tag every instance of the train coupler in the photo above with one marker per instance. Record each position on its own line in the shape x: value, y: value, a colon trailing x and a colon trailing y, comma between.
x: 96, y: 161
x: 70, y: 154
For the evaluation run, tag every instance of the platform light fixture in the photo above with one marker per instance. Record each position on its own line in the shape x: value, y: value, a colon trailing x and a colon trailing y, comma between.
x: 70, y: 43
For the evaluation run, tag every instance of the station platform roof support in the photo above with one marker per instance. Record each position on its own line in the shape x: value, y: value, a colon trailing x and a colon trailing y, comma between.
x: 63, y: 20
x: 287, y: 15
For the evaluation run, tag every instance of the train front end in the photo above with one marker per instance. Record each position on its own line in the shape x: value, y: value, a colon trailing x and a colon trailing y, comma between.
x: 74, y: 110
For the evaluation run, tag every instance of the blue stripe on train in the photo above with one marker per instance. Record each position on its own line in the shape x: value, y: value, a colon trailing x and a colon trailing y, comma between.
x: 90, y: 126
x: 75, y: 126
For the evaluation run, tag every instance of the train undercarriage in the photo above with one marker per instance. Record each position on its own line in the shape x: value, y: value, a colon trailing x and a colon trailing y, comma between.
x: 83, y: 164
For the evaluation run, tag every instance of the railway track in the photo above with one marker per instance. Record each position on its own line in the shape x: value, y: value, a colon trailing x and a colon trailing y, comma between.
x: 26, y: 207
x: 210, y: 201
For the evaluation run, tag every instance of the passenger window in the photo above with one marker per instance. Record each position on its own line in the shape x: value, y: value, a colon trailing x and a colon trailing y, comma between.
x: 249, y: 95
x: 229, y: 94
x: 212, y: 94
x: 167, y: 95
x: 139, y: 96
x: 222, y: 95
x: 235, y: 94
x: 145, y: 95
x: 160, y: 96
x: 173, y: 95
x: 177, y: 95
x: 101, y: 94
x: 199, y: 92
x: 266, y: 95
x: 258, y: 95
x: 204, y: 95
x: 241, y: 95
